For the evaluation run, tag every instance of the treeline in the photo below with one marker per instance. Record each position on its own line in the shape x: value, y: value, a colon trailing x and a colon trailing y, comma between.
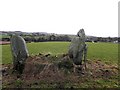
x: 103, y: 39
x: 38, y: 37
x: 41, y: 38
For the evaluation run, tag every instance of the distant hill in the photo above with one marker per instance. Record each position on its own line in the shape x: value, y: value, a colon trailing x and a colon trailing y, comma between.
x: 44, y: 36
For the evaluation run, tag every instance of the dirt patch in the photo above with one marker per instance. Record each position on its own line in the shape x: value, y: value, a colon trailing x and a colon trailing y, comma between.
x: 100, y: 69
x: 53, y: 71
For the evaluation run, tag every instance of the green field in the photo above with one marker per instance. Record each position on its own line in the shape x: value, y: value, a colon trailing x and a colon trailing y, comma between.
x: 4, y: 36
x: 107, y: 52
x: 102, y: 57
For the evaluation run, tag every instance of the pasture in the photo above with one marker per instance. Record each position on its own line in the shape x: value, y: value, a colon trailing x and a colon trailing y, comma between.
x: 102, y: 67
x: 107, y: 52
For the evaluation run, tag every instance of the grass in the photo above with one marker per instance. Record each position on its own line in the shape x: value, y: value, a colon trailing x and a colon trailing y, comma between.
x: 107, y: 52
x: 54, y: 48
x: 4, y: 36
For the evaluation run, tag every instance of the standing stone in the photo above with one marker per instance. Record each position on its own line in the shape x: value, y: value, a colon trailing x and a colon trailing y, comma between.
x: 78, y: 48
x: 19, y: 53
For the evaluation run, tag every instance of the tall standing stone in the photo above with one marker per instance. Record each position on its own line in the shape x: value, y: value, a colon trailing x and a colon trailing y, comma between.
x: 78, y: 48
x: 19, y: 53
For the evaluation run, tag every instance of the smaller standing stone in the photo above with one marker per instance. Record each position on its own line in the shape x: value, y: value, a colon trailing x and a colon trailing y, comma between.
x: 19, y: 53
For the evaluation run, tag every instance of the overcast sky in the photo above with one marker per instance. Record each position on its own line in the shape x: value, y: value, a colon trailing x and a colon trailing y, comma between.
x: 96, y: 17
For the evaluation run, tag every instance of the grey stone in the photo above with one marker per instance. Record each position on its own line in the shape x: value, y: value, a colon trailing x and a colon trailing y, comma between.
x: 19, y: 52
x: 78, y: 48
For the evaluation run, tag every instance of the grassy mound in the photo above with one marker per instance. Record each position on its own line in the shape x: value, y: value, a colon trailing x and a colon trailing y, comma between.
x: 46, y: 71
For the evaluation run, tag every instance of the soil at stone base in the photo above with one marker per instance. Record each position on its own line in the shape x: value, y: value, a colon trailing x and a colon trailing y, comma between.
x: 52, y: 70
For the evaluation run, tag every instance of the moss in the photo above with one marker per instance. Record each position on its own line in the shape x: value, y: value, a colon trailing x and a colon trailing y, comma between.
x: 67, y: 64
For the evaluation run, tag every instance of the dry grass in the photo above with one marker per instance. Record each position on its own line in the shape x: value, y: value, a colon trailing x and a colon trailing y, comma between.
x: 44, y: 72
